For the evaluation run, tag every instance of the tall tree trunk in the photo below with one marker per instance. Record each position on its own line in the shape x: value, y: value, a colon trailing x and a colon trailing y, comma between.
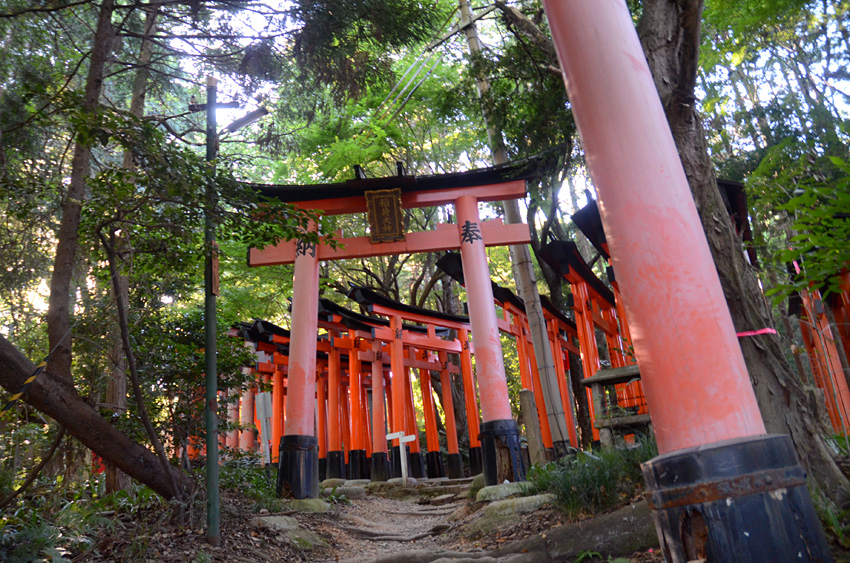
x: 59, y: 302
x: 526, y: 282
x: 669, y: 31
x: 116, y: 390
x: 56, y: 397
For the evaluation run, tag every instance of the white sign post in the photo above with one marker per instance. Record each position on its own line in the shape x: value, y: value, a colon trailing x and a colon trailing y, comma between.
x: 264, y: 413
x: 402, y: 440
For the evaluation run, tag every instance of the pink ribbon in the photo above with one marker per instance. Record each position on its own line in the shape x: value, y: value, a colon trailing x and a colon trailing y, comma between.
x: 757, y: 332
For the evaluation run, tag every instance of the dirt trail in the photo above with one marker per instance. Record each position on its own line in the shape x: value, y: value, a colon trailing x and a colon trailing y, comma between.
x: 378, y: 526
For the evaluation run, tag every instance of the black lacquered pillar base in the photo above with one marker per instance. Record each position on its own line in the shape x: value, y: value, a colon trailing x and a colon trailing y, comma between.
x: 323, y: 469
x: 380, y: 467
x: 434, y: 465
x: 417, y: 466
x: 357, y: 464
x: 336, y: 465
x: 298, y: 469
x: 736, y: 501
x: 500, y: 446
x: 476, y: 463
x: 455, y: 463
x: 396, y: 461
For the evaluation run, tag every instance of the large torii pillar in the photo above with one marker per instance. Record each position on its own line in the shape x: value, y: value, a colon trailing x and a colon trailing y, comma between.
x: 721, y: 490
x: 499, y: 434
x: 299, y: 447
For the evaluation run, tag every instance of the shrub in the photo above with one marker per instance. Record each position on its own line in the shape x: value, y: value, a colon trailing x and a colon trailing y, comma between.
x: 592, y: 481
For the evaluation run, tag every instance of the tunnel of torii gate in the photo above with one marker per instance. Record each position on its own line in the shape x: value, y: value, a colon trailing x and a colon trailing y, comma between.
x: 387, y: 197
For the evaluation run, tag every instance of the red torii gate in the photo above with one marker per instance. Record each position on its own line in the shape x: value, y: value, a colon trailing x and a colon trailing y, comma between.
x: 499, y: 435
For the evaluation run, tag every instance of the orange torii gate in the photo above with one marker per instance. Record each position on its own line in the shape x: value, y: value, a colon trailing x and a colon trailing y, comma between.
x: 824, y: 343
x: 352, y: 342
x: 433, y: 356
x: 594, y: 306
x: 499, y: 435
x: 561, y: 332
x: 376, y: 334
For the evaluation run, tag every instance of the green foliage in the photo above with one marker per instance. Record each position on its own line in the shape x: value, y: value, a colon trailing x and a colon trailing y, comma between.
x: 592, y: 481
x: 337, y: 498
x: 59, y: 528
x: 347, y: 44
x: 586, y: 555
x: 809, y: 197
x: 248, y: 475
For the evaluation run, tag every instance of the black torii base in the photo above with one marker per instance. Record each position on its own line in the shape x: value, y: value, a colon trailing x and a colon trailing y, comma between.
x: 500, y: 449
x: 336, y: 465
x: 735, y: 501
x: 455, y: 463
x: 298, y: 468
x: 380, y: 466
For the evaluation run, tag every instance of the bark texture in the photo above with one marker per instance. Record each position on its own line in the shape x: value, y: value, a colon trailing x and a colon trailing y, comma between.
x: 59, y: 302
x: 670, y: 31
x: 58, y: 399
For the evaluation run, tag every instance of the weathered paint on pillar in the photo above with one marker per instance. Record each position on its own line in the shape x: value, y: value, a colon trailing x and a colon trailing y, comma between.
x: 563, y: 386
x: 322, y: 416
x: 298, y: 466
x: 247, y: 436
x: 410, y: 426
x: 277, y: 412
x: 671, y: 291
x: 469, y: 391
x: 448, y: 404
x: 357, y: 442
x: 489, y: 361
x: 379, y: 433
x: 334, y: 399
x: 233, y: 419
x: 301, y: 389
x: 345, y: 418
x: 397, y: 367
x: 432, y: 439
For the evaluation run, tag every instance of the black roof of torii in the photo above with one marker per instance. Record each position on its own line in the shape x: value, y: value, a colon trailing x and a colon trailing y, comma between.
x: 480, y: 177
x: 367, y: 297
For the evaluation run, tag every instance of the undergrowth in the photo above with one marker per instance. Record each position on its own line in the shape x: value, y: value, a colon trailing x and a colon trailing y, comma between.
x: 48, y: 523
x: 593, y: 481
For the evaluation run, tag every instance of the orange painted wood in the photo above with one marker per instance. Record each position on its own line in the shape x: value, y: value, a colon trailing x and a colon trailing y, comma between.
x: 247, y: 440
x: 379, y: 432
x: 443, y: 237
x: 684, y: 338
x: 345, y: 418
x: 334, y: 400
x: 469, y: 390
x: 417, y: 340
x: 366, y: 422
x: 587, y: 340
x: 411, y: 428
x: 398, y: 385
x: 539, y: 399
x: 322, y: 416
x: 277, y: 412
x: 432, y: 439
x: 448, y: 404
x: 357, y: 420
x: 556, y: 343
